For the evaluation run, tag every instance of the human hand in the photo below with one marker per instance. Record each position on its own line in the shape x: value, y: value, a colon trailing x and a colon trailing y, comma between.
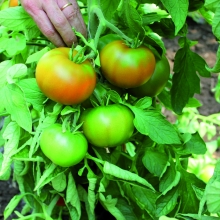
x: 55, y: 19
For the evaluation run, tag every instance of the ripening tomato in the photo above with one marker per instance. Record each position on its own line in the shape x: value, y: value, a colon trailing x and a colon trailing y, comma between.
x: 62, y: 80
x: 126, y: 67
x: 63, y: 147
x: 107, y: 126
x: 156, y: 83
x: 13, y: 3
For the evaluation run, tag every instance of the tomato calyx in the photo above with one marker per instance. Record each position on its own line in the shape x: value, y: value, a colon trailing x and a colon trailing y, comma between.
x: 80, y: 57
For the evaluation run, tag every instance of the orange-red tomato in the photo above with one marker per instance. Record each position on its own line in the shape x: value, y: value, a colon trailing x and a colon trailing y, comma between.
x: 62, y: 80
x: 13, y: 3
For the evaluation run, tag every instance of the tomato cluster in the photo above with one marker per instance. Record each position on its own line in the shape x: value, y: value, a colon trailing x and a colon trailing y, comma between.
x: 134, y: 70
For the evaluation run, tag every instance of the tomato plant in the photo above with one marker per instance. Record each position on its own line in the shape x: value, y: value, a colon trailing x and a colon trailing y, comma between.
x: 64, y: 81
x: 86, y: 125
x: 108, y: 126
x: 63, y: 147
x: 157, y: 81
x: 126, y: 67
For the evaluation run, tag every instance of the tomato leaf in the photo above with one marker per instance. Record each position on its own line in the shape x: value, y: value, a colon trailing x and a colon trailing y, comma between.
x: 13, y: 100
x: 170, y: 179
x: 178, y: 11
x: 59, y: 182
x: 109, y: 8
x: 146, y: 199
x: 11, y: 135
x: 116, y: 171
x: 72, y: 198
x: 166, y: 203
x: 32, y: 93
x: 153, y: 156
x: 132, y: 19
x: 83, y: 196
x: 35, y: 57
x: 185, y: 79
x: 16, y: 19
x: 4, y: 66
x: 189, y: 200
x: 153, y: 124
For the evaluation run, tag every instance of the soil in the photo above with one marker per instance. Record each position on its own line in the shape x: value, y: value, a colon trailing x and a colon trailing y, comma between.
x: 206, y: 47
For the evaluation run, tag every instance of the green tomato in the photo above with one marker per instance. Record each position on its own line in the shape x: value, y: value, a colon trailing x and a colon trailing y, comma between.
x: 63, y: 147
x: 108, y: 126
x: 156, y: 83
x: 207, y: 172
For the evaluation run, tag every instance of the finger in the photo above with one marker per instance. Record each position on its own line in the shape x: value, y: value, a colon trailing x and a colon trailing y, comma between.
x: 60, y: 22
x: 43, y: 22
x: 74, y: 16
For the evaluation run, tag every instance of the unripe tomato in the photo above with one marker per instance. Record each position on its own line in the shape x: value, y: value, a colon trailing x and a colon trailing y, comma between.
x: 62, y: 80
x: 63, y: 147
x: 126, y: 67
x: 108, y: 126
x: 156, y: 83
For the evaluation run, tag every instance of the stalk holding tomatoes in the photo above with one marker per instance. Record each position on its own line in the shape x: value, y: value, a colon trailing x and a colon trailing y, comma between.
x: 62, y: 80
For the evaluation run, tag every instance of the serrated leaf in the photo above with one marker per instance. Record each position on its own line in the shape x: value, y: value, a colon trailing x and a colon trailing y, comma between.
x: 185, y: 79
x: 178, y: 11
x: 166, y: 203
x: 16, y: 19
x: 14, y: 102
x: 116, y: 171
x: 109, y: 8
x: 153, y: 124
x: 152, y: 157
x: 37, y: 55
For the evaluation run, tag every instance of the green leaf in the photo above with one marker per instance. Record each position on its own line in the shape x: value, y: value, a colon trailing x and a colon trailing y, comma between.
x: 72, y: 198
x: 32, y: 93
x: 144, y: 103
x: 155, y: 161
x: 153, y: 124
x: 15, y: 72
x: 59, y: 182
x: 116, y: 171
x: 49, y: 174
x: 216, y: 68
x: 12, y: 205
x: 4, y: 66
x: 83, y: 196
x: 178, y: 11
x: 35, y: 57
x: 189, y: 200
x: 166, y: 203
x: 170, y: 179
x: 195, y: 145
x: 185, y: 80
x: 13, y: 45
x: 212, y: 197
x: 110, y: 204
x: 14, y: 102
x: 132, y: 19
x: 109, y: 8
x: 16, y: 19
x: 146, y: 199
x: 12, y: 136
